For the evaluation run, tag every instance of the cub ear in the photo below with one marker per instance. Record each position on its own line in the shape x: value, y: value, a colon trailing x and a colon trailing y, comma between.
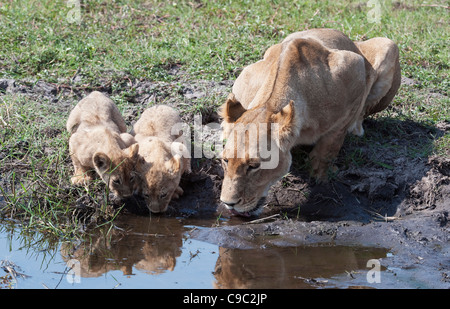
x: 180, y: 151
x: 286, y: 126
x: 231, y: 110
x: 174, y: 164
x: 102, y: 162
x: 128, y: 139
x: 133, y: 150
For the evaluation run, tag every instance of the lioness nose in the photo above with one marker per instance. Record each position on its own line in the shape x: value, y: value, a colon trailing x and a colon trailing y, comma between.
x: 231, y: 204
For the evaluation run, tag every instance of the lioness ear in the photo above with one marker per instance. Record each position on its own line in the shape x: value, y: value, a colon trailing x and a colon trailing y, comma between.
x: 102, y: 162
x: 286, y: 126
x: 231, y: 110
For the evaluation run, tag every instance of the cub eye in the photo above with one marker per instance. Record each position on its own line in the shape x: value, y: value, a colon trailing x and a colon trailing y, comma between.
x: 116, y: 182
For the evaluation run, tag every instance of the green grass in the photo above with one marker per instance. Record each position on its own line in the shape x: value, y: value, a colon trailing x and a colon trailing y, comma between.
x: 35, y: 169
x: 117, y: 42
x: 208, y: 39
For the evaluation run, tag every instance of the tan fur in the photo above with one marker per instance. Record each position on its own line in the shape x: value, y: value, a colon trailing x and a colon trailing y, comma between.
x: 314, y: 86
x: 160, y: 169
x: 98, y: 143
x: 383, y: 57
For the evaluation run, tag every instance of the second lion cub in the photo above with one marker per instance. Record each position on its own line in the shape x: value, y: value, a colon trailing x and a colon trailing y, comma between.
x: 165, y: 158
x: 99, y: 143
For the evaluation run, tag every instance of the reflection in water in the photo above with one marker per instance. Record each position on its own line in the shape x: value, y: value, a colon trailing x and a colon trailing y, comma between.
x: 288, y: 267
x: 153, y: 246
x: 150, y: 245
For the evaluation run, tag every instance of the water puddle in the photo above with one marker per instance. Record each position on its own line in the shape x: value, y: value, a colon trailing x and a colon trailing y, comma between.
x: 142, y: 252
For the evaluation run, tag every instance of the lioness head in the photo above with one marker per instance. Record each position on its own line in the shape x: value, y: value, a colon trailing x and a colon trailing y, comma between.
x: 256, y: 153
x: 118, y: 171
x: 161, y: 172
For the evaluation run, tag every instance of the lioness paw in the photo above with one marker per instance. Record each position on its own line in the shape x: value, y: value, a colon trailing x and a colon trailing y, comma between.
x: 356, y: 128
x: 178, y: 192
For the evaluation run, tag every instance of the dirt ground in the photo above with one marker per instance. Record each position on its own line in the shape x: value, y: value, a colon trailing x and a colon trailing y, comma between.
x: 387, y: 192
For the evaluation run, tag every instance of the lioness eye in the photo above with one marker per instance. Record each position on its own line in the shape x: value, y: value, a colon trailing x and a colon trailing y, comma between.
x: 163, y: 195
x: 225, y: 163
x: 254, y: 166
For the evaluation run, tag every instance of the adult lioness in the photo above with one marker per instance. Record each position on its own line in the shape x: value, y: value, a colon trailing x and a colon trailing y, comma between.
x: 99, y: 143
x: 312, y: 89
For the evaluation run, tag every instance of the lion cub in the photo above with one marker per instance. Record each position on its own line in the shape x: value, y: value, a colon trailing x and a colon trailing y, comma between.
x: 98, y: 142
x: 165, y: 159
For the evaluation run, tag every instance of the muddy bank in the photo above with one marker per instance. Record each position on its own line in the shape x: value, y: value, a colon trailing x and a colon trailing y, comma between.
x: 411, y: 221
x: 389, y: 191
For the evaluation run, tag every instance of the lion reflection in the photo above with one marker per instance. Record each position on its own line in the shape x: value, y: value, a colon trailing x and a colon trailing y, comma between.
x: 149, y: 245
x: 287, y: 267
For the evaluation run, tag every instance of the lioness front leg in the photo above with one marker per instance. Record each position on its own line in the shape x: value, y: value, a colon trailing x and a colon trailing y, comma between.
x: 323, y: 153
x: 177, y: 193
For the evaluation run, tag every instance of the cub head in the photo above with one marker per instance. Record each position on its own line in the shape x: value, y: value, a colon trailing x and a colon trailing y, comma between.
x: 161, y: 172
x: 256, y: 153
x: 118, y: 171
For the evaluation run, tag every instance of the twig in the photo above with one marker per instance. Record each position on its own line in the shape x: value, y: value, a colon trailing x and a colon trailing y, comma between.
x: 10, y: 268
x: 338, y: 196
x: 323, y: 198
x: 385, y: 217
x: 436, y: 6
x: 263, y: 219
x: 273, y: 17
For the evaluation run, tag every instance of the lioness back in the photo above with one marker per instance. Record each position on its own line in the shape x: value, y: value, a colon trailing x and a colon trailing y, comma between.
x: 330, y: 38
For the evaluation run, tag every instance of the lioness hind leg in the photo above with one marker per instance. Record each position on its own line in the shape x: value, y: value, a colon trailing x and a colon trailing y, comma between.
x: 357, y: 128
x: 323, y: 153
x: 383, y: 56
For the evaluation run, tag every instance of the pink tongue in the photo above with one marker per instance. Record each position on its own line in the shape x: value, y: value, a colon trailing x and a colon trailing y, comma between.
x: 237, y: 213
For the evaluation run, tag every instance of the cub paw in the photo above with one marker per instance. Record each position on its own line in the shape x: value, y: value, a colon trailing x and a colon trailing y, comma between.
x: 80, y: 179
